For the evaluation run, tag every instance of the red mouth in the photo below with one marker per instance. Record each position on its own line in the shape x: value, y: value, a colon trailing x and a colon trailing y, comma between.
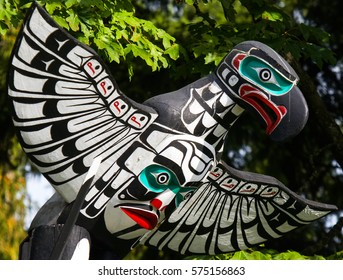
x: 271, y: 113
x: 145, y: 218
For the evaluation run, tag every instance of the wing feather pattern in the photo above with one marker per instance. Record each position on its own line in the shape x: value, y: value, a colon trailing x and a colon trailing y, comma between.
x: 234, y: 210
x: 67, y: 108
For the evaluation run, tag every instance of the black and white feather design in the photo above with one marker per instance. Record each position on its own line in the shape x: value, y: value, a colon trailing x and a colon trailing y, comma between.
x: 68, y: 108
x: 231, y: 211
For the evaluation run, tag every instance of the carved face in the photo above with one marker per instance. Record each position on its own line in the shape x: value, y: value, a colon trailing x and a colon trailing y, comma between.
x: 261, y: 81
x: 144, y: 202
x: 153, y: 188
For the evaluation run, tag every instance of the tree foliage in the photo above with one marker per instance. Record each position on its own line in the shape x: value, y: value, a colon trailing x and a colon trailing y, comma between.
x: 268, y: 254
x: 174, y: 42
x: 12, y: 201
x: 109, y: 26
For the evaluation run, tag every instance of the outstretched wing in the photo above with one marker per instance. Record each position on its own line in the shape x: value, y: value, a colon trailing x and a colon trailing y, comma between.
x: 233, y: 211
x: 67, y: 107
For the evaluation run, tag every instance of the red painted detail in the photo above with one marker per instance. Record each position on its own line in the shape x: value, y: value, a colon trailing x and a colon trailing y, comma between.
x: 116, y: 105
x: 229, y: 186
x: 156, y: 203
x: 269, y: 111
x: 248, y: 191
x: 146, y: 219
x: 103, y: 84
x: 134, y: 119
x: 271, y: 194
x: 237, y: 60
x: 215, y: 174
x: 90, y: 66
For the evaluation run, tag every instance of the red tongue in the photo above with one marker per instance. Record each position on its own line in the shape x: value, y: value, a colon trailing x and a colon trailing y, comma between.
x: 146, y: 219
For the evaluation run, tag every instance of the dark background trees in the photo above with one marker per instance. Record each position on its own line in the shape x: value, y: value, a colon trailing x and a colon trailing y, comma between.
x: 155, y: 46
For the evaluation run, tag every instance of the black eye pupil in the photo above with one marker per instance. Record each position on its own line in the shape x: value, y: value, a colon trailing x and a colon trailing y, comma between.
x: 265, y: 75
x: 163, y: 178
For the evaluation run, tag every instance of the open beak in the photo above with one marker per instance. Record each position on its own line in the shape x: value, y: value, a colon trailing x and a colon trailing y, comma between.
x: 284, y: 117
x: 271, y: 113
x: 144, y: 217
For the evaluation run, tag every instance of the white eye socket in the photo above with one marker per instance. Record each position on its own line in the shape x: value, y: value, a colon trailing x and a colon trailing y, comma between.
x: 269, y: 192
x: 266, y: 75
x: 162, y: 178
x: 248, y: 188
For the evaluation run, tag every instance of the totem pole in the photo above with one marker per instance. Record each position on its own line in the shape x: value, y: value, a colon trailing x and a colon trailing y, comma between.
x: 128, y: 173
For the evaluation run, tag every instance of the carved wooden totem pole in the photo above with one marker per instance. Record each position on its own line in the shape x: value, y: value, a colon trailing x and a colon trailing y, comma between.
x: 128, y: 173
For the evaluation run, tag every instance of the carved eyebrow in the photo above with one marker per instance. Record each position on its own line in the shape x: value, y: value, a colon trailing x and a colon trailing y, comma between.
x: 272, y: 62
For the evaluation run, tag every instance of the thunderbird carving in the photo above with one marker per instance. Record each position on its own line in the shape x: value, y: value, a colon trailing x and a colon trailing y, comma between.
x: 155, y: 175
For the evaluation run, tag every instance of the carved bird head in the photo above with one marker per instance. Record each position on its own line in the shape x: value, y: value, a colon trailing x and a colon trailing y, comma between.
x: 264, y: 83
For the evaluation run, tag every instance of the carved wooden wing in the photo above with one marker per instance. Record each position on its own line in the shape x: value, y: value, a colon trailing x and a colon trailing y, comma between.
x: 67, y: 107
x: 234, y: 210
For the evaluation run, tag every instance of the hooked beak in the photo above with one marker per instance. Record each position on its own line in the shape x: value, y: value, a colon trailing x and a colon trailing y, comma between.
x: 296, y: 117
x: 271, y: 113
x: 284, y: 116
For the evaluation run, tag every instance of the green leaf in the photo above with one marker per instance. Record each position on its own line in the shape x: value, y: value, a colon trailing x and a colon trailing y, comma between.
x: 289, y: 255
x: 257, y: 255
x: 173, y: 52
x: 126, y: 18
x: 70, y: 3
x: 138, y: 52
x: 136, y: 37
x: 73, y: 20
x: 272, y: 16
x: 51, y: 7
x: 114, y: 51
x: 241, y: 255
x: 26, y: 6
x: 164, y: 61
x: 85, y: 30
x: 167, y: 41
x: 254, y: 255
x: 122, y: 34
x: 61, y: 21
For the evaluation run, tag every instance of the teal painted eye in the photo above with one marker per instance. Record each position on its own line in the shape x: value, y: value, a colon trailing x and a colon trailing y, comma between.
x: 158, y: 178
x: 263, y: 75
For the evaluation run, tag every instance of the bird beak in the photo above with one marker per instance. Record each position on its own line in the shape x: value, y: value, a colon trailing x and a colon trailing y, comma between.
x: 295, y: 118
